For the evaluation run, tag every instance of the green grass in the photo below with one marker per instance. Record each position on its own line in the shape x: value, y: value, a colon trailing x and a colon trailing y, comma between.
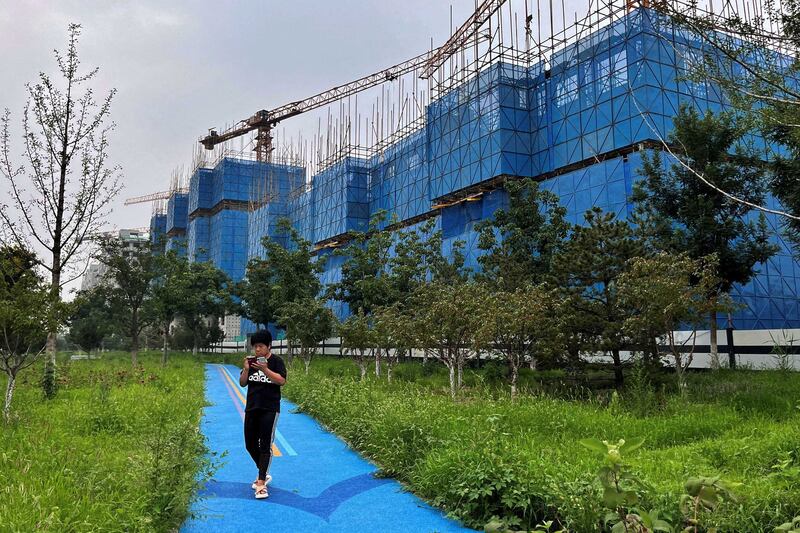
x: 486, y: 455
x: 117, y: 450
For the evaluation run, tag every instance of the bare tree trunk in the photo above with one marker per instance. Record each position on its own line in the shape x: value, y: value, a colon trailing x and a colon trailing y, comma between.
x: 388, y: 373
x: 307, y: 355
x: 714, y: 363
x: 681, y: 375
x: 288, y: 351
x: 12, y: 380
x: 362, y: 366
x: 532, y: 363
x: 166, y: 338
x: 619, y: 378
x: 460, y: 365
x: 377, y: 362
x: 49, y: 382
x: 135, y: 339
x: 452, y: 370
x: 514, y: 375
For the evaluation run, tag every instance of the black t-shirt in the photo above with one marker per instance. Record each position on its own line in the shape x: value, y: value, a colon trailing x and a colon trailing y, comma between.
x: 261, y: 392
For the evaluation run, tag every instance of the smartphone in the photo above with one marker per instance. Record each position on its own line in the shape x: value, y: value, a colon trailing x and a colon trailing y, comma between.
x: 261, y: 360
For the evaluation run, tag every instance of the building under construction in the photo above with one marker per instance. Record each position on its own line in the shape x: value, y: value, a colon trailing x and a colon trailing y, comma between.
x: 572, y: 104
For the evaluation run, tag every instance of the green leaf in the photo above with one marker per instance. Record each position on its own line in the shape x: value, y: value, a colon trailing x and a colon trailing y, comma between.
x: 709, y: 497
x: 631, y: 445
x: 662, y: 525
x: 630, y: 497
x: 493, y: 526
x: 613, y: 498
x: 619, y: 527
x: 693, y: 486
x: 595, y: 445
x: 647, y: 520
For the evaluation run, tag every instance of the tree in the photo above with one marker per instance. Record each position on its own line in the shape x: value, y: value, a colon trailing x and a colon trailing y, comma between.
x: 288, y: 274
x: 207, y: 295
x: 417, y: 260
x: 169, y: 290
x: 308, y: 322
x: 754, y: 60
x: 519, y: 242
x: 25, y: 316
x: 129, y: 287
x: 445, y: 319
x: 204, y: 334
x: 588, y: 269
x: 358, y: 339
x: 382, y: 271
x: 256, y: 301
x: 520, y: 326
x: 61, y: 197
x: 668, y: 292
x: 393, y: 331
x: 365, y: 283
x: 91, y: 319
x: 683, y: 214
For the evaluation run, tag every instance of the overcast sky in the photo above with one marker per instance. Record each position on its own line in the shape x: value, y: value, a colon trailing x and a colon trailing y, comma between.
x: 181, y: 67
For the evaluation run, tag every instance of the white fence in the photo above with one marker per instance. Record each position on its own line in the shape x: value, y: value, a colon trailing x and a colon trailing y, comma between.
x: 753, y: 348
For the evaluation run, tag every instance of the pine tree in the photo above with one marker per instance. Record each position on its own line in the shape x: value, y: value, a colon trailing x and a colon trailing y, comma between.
x: 682, y: 214
x: 588, y: 269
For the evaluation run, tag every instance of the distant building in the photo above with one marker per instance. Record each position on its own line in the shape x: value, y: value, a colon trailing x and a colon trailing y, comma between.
x: 132, y: 239
x: 93, y: 275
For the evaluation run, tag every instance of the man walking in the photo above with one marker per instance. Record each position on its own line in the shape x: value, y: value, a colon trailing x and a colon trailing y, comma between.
x: 263, y: 374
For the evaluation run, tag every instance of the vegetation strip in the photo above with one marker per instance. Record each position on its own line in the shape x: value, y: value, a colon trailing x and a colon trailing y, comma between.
x: 118, y: 449
x: 487, y: 458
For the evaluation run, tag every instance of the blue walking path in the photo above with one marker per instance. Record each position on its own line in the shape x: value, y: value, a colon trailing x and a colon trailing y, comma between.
x: 319, y: 483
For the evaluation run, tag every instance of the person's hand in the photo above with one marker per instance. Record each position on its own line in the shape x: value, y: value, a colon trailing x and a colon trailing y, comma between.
x: 260, y: 366
x: 247, y: 363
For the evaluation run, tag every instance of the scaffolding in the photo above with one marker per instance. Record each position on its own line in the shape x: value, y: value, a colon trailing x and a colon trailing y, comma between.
x: 177, y: 213
x: 573, y: 102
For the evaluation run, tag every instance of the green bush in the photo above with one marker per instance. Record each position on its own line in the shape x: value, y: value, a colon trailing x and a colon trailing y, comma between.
x: 117, y: 450
x: 518, y: 462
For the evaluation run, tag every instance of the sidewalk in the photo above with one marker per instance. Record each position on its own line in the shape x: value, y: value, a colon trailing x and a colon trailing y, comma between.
x: 319, y: 484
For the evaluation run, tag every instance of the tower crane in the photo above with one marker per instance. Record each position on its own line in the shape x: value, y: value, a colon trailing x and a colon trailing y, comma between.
x: 265, y: 120
x: 162, y: 195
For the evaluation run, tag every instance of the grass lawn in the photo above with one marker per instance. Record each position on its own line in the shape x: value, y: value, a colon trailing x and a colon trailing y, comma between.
x: 486, y: 456
x: 117, y: 450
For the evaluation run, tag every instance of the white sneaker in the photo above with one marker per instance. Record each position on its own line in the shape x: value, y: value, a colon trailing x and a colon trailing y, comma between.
x: 266, y: 482
x: 261, y: 492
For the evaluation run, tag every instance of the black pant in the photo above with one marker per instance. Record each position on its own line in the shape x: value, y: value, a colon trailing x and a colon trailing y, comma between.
x: 259, y: 431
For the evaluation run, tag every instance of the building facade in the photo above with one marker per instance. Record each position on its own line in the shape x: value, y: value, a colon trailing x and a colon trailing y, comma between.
x: 579, y: 121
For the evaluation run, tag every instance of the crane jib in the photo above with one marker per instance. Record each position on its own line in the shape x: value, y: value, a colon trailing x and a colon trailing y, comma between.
x: 426, y: 63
